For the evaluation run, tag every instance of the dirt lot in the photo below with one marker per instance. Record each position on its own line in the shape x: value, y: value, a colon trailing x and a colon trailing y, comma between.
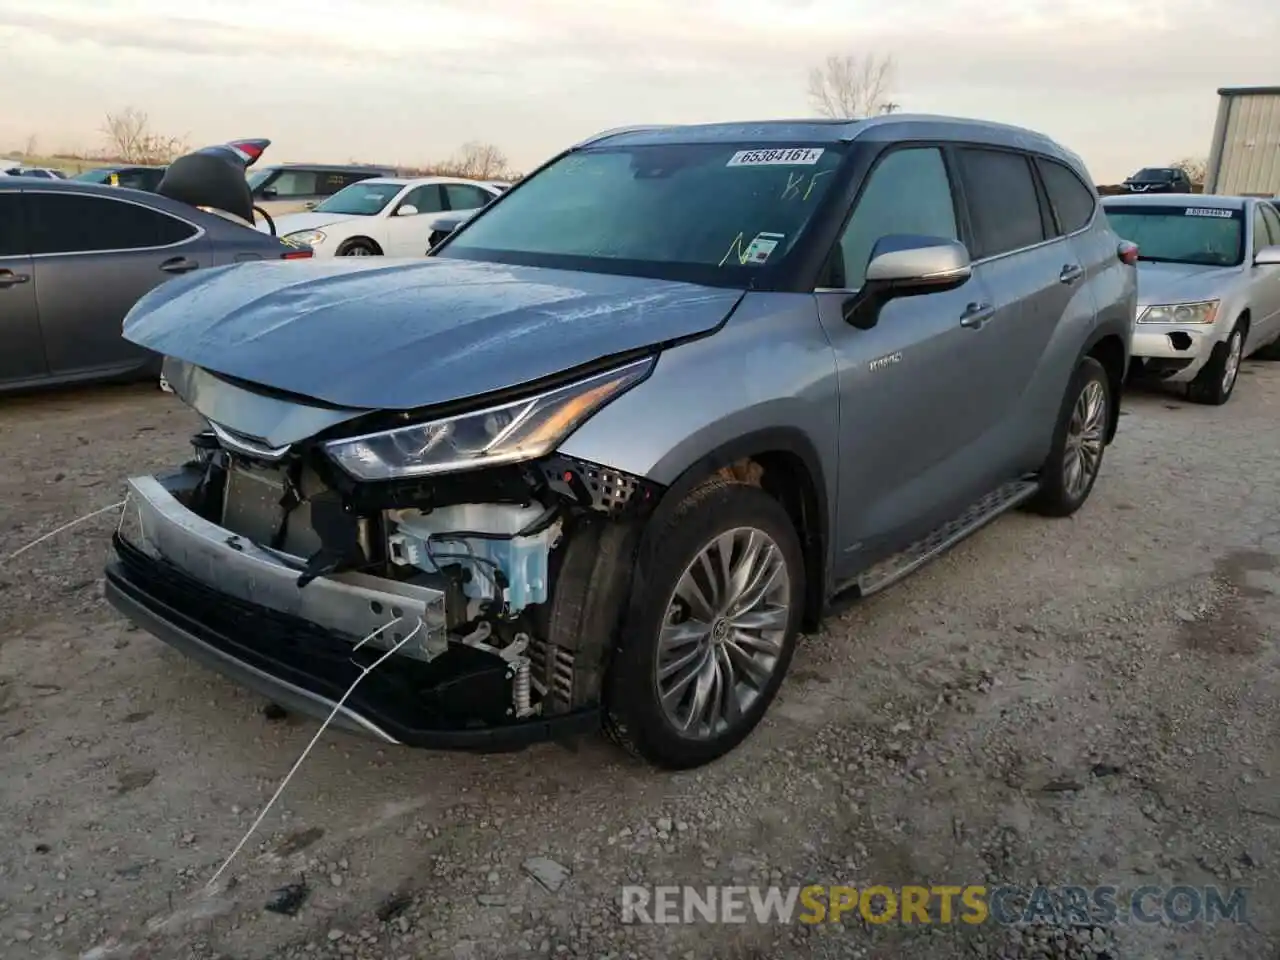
x: 1073, y: 702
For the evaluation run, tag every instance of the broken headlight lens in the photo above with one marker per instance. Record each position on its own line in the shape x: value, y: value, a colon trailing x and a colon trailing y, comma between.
x: 508, y: 433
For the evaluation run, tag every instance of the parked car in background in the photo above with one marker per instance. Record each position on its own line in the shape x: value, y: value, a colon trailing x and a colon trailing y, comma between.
x: 135, y: 177
x: 1208, y: 287
x: 382, y: 216
x: 604, y: 453
x: 292, y: 187
x: 1158, y: 180
x: 75, y: 257
x: 42, y: 173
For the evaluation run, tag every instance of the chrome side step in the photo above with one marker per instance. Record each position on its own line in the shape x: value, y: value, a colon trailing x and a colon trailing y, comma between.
x: 895, y: 568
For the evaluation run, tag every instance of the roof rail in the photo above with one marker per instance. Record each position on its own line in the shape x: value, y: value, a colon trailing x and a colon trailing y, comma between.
x: 617, y: 131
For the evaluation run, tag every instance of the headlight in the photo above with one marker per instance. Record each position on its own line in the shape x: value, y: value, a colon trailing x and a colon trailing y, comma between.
x: 510, y: 433
x: 308, y: 237
x: 1205, y: 311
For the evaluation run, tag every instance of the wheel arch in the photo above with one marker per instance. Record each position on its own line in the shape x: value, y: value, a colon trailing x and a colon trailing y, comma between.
x: 784, y: 462
x: 361, y: 238
x: 1108, y: 347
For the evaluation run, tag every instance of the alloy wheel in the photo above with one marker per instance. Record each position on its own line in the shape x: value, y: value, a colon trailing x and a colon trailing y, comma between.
x: 723, y: 632
x: 1085, y: 432
x: 1231, y: 369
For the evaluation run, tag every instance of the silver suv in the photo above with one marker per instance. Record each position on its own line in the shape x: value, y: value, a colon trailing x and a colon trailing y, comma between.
x: 603, y: 455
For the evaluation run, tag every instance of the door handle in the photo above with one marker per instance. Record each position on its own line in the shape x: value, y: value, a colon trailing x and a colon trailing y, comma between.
x: 976, y: 314
x: 10, y: 279
x: 1071, y: 272
x: 179, y: 265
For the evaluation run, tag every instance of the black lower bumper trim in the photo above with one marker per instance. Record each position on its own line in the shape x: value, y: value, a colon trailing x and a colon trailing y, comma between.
x: 306, y: 669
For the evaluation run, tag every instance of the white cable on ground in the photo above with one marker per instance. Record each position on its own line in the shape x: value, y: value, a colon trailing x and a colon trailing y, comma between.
x: 66, y: 526
x: 364, y: 672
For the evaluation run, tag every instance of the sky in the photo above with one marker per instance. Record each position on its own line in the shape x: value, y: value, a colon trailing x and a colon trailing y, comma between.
x: 1125, y: 83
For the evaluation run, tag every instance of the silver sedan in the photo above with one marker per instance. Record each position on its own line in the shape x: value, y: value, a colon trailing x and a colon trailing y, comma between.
x: 1208, y: 286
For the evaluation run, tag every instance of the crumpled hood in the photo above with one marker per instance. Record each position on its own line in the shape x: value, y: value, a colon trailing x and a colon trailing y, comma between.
x: 377, y: 334
x: 1160, y: 283
x: 293, y: 222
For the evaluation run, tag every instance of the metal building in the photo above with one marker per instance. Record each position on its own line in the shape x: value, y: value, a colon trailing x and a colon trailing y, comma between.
x: 1244, y: 158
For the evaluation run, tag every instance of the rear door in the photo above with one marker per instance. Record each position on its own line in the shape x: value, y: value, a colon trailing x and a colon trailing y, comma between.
x: 407, y: 235
x: 94, y: 257
x: 21, y: 346
x: 1036, y: 277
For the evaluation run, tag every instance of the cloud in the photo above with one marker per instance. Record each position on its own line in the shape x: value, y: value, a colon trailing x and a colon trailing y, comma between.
x: 1124, y: 82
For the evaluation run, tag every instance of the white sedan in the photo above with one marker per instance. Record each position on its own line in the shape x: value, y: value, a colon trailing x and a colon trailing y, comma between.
x: 384, y: 216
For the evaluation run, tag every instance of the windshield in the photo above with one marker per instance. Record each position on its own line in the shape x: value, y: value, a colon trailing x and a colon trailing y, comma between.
x: 94, y: 176
x: 1213, y: 236
x: 361, y: 199
x: 707, y: 213
x: 1154, y: 173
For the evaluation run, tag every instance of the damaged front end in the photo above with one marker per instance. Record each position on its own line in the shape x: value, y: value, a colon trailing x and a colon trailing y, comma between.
x: 272, y: 563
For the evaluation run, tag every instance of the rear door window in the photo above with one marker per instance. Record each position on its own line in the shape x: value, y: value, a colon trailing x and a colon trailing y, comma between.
x: 463, y: 196
x: 1004, y: 205
x: 1072, y: 201
x: 75, y: 223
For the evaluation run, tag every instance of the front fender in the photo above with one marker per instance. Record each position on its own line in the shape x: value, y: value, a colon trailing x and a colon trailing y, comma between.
x: 769, y: 371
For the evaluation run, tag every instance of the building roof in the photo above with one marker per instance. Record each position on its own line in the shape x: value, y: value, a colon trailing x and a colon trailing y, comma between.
x: 1248, y: 91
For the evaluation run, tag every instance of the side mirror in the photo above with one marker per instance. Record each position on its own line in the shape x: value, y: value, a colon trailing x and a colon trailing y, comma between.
x: 1267, y: 257
x: 906, y: 266
x: 310, y: 205
x: 408, y: 210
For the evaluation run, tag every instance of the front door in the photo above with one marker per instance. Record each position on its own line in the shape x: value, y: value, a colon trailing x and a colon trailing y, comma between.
x: 21, y: 346
x: 94, y: 258
x: 1267, y: 276
x: 910, y: 406
x: 408, y: 233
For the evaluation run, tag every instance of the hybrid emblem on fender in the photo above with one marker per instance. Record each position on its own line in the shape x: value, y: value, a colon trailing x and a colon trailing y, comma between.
x: 881, y: 362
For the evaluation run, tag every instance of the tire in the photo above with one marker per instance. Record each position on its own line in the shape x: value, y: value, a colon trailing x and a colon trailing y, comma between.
x: 359, y: 248
x: 1082, y: 427
x: 635, y: 716
x: 1215, y: 383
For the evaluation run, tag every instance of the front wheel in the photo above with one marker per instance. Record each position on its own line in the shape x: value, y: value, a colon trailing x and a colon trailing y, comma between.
x: 1215, y: 383
x: 714, y: 615
x: 1079, y: 440
x: 357, y: 248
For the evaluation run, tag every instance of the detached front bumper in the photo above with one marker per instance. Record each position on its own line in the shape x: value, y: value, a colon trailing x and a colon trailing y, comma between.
x: 235, y: 607
x: 1172, y: 352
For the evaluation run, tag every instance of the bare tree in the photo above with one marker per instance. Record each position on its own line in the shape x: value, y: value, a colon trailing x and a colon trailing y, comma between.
x: 30, y: 147
x: 1194, y: 167
x: 130, y: 138
x: 848, y: 87
x: 481, y: 161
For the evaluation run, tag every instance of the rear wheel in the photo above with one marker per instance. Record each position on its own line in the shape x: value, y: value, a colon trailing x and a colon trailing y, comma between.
x: 1215, y: 383
x: 1068, y: 475
x: 358, y: 248
x: 715, y: 611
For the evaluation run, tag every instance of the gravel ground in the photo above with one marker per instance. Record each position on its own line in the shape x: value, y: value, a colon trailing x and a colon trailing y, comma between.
x: 1070, y: 702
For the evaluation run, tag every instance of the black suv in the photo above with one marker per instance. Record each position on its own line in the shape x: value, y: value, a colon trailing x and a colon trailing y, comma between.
x: 1159, y: 180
